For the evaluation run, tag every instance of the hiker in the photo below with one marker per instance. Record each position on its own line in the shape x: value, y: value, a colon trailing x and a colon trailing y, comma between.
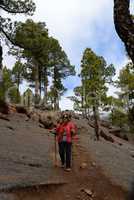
x: 65, y: 132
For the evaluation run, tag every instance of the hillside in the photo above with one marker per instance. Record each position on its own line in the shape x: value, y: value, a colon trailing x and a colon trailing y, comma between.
x: 101, y: 169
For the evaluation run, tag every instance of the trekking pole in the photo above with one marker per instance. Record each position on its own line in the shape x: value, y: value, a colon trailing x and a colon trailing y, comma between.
x: 72, y: 156
x: 55, y: 152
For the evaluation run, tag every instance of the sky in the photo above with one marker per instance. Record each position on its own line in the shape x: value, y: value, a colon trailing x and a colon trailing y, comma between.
x: 80, y: 24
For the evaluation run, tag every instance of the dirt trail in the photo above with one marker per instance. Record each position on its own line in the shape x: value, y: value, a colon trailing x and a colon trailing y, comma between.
x: 27, y: 170
x: 85, y: 176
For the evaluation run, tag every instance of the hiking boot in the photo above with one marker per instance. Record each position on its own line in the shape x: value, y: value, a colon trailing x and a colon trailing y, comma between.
x: 68, y: 169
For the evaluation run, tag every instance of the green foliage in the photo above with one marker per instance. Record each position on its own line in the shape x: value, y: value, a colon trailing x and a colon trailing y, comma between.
x: 126, y: 84
x: 44, y: 57
x: 77, y: 99
x: 94, y: 74
x: 112, y: 103
x: 6, y: 82
x: 7, y: 27
x: 77, y: 103
x: 43, y: 54
x: 33, y: 37
x: 14, y: 95
x: 18, y: 72
x: 8, y: 90
x: 59, y: 61
x: 118, y: 118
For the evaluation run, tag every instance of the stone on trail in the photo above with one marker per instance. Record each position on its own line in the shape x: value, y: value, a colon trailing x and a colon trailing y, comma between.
x: 83, y: 165
x: 88, y: 192
x: 93, y: 164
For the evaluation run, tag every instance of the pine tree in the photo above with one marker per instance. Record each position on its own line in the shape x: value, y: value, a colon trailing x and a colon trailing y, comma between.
x: 94, y: 75
x: 126, y: 84
x: 18, y: 74
x: 34, y: 39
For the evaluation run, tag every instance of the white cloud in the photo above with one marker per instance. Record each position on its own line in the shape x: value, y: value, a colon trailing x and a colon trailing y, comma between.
x: 69, y: 19
x: 65, y: 103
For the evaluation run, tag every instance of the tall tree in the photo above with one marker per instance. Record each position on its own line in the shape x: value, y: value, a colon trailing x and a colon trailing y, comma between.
x: 12, y: 7
x: 34, y: 38
x: 124, y: 25
x: 95, y: 73
x: 18, y: 74
x: 6, y: 83
x: 126, y: 83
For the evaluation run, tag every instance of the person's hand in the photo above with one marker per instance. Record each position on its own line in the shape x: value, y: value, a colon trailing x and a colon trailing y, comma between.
x: 73, y: 132
x: 53, y: 131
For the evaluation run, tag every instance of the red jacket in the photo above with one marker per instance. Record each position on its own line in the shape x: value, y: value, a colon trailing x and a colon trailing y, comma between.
x: 68, y: 127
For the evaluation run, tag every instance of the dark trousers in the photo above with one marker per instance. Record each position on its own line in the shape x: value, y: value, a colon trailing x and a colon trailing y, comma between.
x: 65, y: 150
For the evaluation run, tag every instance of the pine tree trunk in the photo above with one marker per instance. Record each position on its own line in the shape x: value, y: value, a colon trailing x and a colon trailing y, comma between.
x: 1, y: 77
x: 95, y: 114
x: 45, y: 85
x: 124, y: 25
x: 36, y: 85
x: 18, y: 87
x: 57, y: 104
x: 52, y: 103
x: 28, y: 100
x: 39, y: 77
x: 96, y: 125
x: 45, y: 94
x: 82, y: 101
x: 1, y: 57
x: 40, y: 88
x: 55, y: 90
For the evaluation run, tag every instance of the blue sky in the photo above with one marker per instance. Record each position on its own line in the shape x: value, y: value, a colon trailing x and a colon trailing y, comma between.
x: 79, y: 24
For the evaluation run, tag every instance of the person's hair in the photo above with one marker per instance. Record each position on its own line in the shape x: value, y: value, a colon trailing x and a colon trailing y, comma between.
x: 66, y: 114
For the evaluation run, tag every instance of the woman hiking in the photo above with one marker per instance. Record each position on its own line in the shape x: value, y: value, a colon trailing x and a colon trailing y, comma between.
x: 65, y: 131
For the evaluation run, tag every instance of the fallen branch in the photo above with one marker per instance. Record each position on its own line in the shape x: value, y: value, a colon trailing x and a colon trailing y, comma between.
x: 102, y: 132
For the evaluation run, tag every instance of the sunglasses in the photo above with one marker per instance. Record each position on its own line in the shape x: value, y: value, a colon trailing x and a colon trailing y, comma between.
x: 65, y: 117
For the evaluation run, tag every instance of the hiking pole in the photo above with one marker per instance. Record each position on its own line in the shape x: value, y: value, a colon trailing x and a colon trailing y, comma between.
x: 72, y: 156
x: 55, y: 148
x: 72, y: 153
x: 55, y: 152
